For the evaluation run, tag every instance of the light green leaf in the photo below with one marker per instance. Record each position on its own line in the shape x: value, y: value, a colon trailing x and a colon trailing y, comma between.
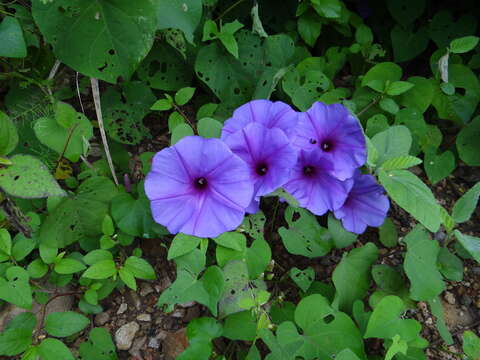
x: 53, y: 349
x: 421, y: 265
x: 181, y: 245
x: 103, y: 269
x: 37, y: 269
x: 68, y: 266
x: 438, y: 166
x: 65, y: 323
x: 99, y: 347
x: 231, y: 240
x: 162, y: 105
x: 466, y: 205
x: 471, y: 344
x: 363, y: 34
x: 104, y: 40
x: 107, y: 226
x: 330, y: 9
x: 16, y: 337
x: 15, y: 288
x: 8, y: 133
x: 127, y: 277
x: 410, y: 193
x: 378, y: 76
x: 399, y: 87
x: 463, y: 44
x: 389, y: 105
x: 400, y: 162
x: 5, y: 242
x: 209, y: 128
x: 28, y: 178
x: 13, y: 42
x: 341, y: 237
x: 392, y: 143
x: 184, y: 95
x: 470, y: 243
x: 303, y: 278
x: 179, y: 132
x: 140, y: 268
x: 351, y: 277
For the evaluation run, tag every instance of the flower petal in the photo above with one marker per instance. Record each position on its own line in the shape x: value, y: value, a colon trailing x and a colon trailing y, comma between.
x: 270, y: 114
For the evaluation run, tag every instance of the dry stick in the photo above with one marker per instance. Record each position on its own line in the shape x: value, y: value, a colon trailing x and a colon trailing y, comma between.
x: 177, y: 108
x: 98, y: 110
x: 373, y: 102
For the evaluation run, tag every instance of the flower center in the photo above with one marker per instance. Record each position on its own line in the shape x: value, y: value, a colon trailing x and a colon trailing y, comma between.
x: 308, y: 170
x: 326, y: 146
x: 200, y: 183
x: 261, y: 169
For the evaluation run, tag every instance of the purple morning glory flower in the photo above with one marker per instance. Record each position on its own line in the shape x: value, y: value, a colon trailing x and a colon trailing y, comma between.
x: 199, y: 187
x: 366, y: 204
x: 313, y: 184
x: 337, y: 133
x: 268, y: 154
x: 270, y: 114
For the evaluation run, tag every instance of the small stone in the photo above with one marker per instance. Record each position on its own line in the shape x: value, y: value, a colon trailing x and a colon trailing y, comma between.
x: 440, y: 235
x: 101, y: 319
x: 466, y: 300
x: 134, y: 300
x: 449, y: 297
x: 153, y: 343
x: 122, y: 308
x: 144, y: 317
x: 145, y: 289
x: 125, y: 335
x: 138, y: 344
x: 179, y: 313
x: 476, y: 270
x: 429, y: 321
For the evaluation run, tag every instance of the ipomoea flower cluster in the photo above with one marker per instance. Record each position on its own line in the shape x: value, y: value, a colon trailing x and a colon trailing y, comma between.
x: 203, y: 187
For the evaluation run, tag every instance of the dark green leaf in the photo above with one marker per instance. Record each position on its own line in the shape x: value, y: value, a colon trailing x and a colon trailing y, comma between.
x: 13, y: 42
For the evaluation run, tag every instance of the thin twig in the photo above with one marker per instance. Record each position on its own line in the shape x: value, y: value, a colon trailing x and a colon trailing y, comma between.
x: 67, y: 142
x: 374, y: 101
x: 233, y: 6
x: 98, y: 110
x: 177, y: 108
x: 78, y: 93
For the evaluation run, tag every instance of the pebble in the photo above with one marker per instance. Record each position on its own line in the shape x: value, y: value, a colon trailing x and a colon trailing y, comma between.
x: 153, y: 343
x: 146, y: 289
x: 476, y: 270
x: 122, y: 308
x: 449, y: 297
x: 180, y: 313
x: 125, y: 335
x: 101, y: 319
x: 466, y: 300
x: 138, y: 344
x: 134, y: 300
x: 144, y: 317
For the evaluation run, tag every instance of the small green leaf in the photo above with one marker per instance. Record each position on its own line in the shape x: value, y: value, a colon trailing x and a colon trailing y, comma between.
x: 303, y: 278
x: 181, y: 245
x: 439, y: 313
x: 389, y: 105
x: 97, y: 255
x: 466, y: 205
x: 140, y: 268
x: 471, y: 344
x: 392, y: 143
x: 378, y: 76
x: 103, y: 269
x: 68, y: 266
x: 421, y: 265
x: 438, y: 166
x: 65, y: 323
x: 37, y: 269
x: 28, y: 178
x: 341, y: 237
x: 231, y: 240
x: 184, y: 95
x: 209, y: 128
x: 309, y: 27
x: 210, y: 30
x: 8, y: 134
x: 99, y: 347
x: 127, y: 277
x: 463, y: 44
x: 15, y: 288
x: 470, y: 243
x: 53, y: 349
x: 107, y: 226
x: 388, y: 235
x: 363, y: 34
x: 13, y: 43
x: 5, y: 242
x: 398, y: 87
x: 400, y: 162
x: 450, y: 265
x: 179, y: 132
x: 162, y: 105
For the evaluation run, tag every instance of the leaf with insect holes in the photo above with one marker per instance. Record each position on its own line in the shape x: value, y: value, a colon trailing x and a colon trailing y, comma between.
x: 28, y: 178
x: 303, y: 278
x: 104, y: 40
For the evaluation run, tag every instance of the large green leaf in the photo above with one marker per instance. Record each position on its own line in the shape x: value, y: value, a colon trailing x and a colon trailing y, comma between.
x: 377, y: 77
x: 28, y: 178
x: 99, y: 347
x: 80, y: 216
x: 421, y: 265
x: 179, y: 14
x: 408, y: 44
x: 13, y: 43
x: 352, y: 276
x: 15, y: 288
x: 410, y: 193
x: 17, y: 336
x: 53, y: 349
x: 104, y: 39
x: 391, y: 143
